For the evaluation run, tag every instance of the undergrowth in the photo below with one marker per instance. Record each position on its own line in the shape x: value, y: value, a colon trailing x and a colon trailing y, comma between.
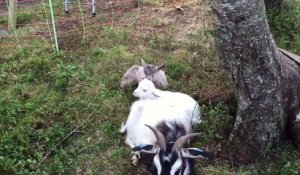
x: 285, y: 25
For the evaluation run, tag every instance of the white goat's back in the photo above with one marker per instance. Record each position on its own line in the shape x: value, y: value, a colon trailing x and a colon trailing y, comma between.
x: 152, y: 112
x: 185, y: 102
x: 147, y: 91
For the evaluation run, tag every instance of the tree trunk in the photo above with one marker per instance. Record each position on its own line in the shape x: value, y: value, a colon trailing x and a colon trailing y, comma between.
x: 248, y: 53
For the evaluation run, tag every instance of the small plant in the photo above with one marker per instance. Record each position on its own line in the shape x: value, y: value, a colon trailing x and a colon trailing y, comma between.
x: 68, y: 75
x: 178, y: 68
x: 199, y: 41
x: 217, y: 123
x: 291, y: 168
x: 24, y: 18
x: 285, y: 25
x: 3, y: 20
x: 163, y: 43
x: 113, y: 37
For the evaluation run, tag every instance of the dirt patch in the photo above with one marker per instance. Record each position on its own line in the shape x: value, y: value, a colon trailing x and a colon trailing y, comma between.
x: 181, y: 19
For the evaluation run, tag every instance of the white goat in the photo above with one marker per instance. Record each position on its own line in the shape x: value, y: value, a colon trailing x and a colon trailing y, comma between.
x: 136, y: 73
x: 147, y: 91
x: 151, y: 112
x: 158, y: 134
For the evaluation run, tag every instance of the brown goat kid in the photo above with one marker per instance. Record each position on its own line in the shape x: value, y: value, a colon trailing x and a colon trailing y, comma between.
x: 137, y: 73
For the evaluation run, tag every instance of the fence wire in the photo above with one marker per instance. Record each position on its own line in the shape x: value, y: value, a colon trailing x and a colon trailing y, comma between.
x: 83, y: 19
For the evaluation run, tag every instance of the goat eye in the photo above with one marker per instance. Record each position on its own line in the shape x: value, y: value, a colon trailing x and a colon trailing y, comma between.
x: 144, y: 90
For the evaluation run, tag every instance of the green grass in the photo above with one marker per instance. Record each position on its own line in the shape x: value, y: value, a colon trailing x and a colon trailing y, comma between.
x: 3, y: 20
x: 285, y: 26
x: 70, y: 107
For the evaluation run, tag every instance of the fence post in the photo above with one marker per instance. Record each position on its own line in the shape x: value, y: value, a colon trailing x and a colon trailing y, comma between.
x: 53, y: 26
x: 93, y: 8
x: 66, y: 6
x: 12, y: 15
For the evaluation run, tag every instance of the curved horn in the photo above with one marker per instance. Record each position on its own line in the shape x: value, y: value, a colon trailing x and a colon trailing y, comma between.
x: 182, y: 140
x: 159, y: 136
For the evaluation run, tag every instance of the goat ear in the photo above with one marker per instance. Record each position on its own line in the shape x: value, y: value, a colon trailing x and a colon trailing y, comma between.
x: 145, y: 148
x: 196, y: 153
x: 143, y: 63
x: 160, y: 67
x: 155, y: 93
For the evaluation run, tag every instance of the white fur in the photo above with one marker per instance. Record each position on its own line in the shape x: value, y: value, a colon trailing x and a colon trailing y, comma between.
x: 177, y: 165
x: 151, y: 112
x: 298, y: 117
x: 147, y: 91
x: 157, y: 164
x: 187, y: 170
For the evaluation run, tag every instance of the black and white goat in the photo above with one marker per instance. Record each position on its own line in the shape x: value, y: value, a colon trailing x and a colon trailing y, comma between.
x: 158, y: 135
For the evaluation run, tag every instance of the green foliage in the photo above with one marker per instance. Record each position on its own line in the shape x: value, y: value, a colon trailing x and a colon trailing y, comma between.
x: 35, y: 68
x: 163, y: 43
x: 17, y: 155
x: 291, y: 168
x: 68, y: 75
x: 198, y: 40
x: 24, y: 18
x: 178, y: 69
x: 217, y: 123
x: 3, y: 20
x: 285, y: 25
x: 112, y: 37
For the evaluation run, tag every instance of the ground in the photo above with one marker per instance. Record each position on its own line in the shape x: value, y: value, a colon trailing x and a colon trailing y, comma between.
x: 60, y: 114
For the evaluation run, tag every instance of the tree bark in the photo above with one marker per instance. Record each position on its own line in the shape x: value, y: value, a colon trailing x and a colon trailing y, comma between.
x: 248, y: 53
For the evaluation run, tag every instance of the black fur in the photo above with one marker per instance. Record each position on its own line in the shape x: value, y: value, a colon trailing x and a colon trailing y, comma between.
x: 171, y: 135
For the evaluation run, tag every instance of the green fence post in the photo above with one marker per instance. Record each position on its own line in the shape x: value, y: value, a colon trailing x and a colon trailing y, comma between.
x: 53, y: 26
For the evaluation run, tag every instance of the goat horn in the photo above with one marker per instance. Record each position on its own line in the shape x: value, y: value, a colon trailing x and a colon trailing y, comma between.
x: 182, y: 140
x: 159, y: 136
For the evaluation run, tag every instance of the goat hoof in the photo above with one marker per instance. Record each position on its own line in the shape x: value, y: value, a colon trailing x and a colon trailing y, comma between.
x: 134, y: 160
x: 123, y: 129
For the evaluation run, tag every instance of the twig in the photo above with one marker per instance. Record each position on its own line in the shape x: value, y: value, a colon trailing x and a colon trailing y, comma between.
x: 73, y: 131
